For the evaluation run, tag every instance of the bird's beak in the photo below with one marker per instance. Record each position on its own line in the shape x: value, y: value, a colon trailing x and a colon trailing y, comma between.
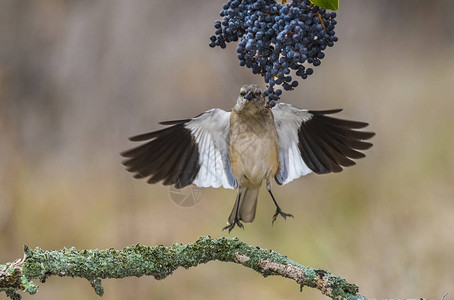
x: 248, y: 96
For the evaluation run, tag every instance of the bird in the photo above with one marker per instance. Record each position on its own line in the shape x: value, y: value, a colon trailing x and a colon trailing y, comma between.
x: 241, y: 148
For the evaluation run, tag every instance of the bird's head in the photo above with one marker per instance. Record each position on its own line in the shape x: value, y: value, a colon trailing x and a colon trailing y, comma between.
x: 251, y: 98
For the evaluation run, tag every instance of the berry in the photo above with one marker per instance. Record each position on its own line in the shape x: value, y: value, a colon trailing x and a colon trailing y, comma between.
x: 276, y: 40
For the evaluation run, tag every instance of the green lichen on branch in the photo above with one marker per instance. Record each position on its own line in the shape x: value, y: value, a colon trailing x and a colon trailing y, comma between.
x: 161, y: 261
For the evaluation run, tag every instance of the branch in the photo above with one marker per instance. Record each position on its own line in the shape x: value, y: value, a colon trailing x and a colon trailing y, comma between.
x: 159, y: 262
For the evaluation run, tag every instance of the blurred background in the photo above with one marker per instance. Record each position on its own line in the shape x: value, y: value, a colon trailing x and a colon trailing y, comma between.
x: 77, y: 78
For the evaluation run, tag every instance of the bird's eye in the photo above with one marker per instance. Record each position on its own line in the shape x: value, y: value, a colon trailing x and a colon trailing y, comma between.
x: 242, y: 93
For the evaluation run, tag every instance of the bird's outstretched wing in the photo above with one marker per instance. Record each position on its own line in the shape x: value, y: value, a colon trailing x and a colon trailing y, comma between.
x: 311, y: 141
x: 190, y: 151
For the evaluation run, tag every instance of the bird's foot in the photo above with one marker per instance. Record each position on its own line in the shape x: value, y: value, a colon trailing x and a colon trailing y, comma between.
x: 232, y: 225
x: 281, y: 213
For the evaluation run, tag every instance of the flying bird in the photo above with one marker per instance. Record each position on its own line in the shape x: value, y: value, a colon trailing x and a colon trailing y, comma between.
x: 241, y: 148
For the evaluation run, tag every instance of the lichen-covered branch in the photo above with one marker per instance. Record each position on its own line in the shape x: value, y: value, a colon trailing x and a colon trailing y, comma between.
x: 159, y: 262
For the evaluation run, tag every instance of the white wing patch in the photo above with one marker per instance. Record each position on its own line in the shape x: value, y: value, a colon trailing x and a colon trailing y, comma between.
x: 287, y: 120
x: 210, y: 131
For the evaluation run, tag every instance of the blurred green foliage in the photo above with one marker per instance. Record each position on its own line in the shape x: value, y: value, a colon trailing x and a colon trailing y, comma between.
x: 327, y: 4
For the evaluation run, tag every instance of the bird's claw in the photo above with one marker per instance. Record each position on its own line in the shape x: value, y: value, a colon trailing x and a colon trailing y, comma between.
x: 282, y: 214
x: 232, y: 225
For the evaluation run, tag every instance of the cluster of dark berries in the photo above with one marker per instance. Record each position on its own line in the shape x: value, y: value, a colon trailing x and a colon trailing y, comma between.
x: 276, y: 38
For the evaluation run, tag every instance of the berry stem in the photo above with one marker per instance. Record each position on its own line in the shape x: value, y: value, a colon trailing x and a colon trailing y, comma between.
x: 319, y: 17
x: 321, y: 21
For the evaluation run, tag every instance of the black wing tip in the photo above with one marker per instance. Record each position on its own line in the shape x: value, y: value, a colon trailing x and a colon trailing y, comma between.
x: 325, y: 112
x: 150, y: 135
x: 174, y: 122
x: 139, y: 138
x: 138, y: 176
x: 172, y: 155
x: 364, y: 146
x: 331, y: 154
x: 347, y: 123
x: 367, y: 135
x: 126, y: 154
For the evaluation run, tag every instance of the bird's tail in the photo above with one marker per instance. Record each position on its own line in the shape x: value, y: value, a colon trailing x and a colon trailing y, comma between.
x: 248, y: 205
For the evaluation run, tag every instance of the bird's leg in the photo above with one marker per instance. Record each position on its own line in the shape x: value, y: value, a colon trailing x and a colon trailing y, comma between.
x: 236, y: 208
x: 278, y: 209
